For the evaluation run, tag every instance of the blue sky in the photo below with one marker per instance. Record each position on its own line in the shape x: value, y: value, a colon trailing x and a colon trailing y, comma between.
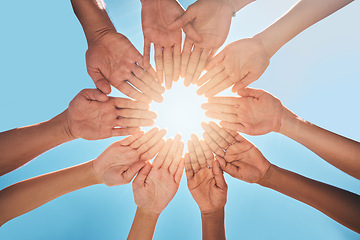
x: 316, y: 75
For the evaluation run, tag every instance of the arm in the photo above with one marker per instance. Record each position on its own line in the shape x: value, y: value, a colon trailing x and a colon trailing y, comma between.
x: 245, y: 162
x: 155, y: 186
x: 304, y: 14
x: 338, y: 204
x: 207, y: 186
x: 117, y: 165
x: 91, y: 115
x: 257, y: 112
x: 111, y: 58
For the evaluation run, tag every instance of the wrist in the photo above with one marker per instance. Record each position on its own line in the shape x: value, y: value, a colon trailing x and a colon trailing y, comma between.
x: 148, y: 214
x: 266, y: 180
x: 62, y: 126
x: 94, y: 175
x: 215, y: 214
x: 289, y: 122
x: 239, y: 4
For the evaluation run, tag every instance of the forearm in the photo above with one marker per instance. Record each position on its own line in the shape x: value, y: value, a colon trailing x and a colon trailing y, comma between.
x: 339, y: 151
x: 304, y: 14
x: 213, y: 225
x: 19, y: 146
x: 93, y: 18
x: 27, y: 195
x: 338, y: 204
x: 144, y: 225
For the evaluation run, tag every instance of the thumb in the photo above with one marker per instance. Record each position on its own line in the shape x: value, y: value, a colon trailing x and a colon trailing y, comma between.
x: 218, y: 58
x: 143, y: 173
x: 244, y: 82
x: 219, y: 175
x: 100, y: 81
x: 94, y: 95
x: 250, y: 92
x: 183, y: 20
x: 191, y: 33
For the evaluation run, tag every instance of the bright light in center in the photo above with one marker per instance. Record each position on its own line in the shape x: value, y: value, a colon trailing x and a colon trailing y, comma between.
x: 181, y: 112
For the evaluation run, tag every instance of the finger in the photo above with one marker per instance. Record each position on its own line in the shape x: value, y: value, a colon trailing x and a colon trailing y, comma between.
x: 219, y: 88
x: 219, y: 175
x: 129, y: 103
x: 191, y: 33
x: 244, y: 82
x: 233, y: 126
x: 133, y: 170
x: 212, y: 83
x: 221, y: 108
x: 145, y: 66
x: 215, y: 61
x: 228, y: 117
x: 147, y: 45
x: 178, y: 154
x: 188, y: 169
x: 115, y: 132
x: 94, y: 95
x: 100, y: 81
x: 134, y: 122
x: 159, y: 63
x: 183, y: 20
x: 134, y: 113
x: 162, y: 154
x: 214, y: 131
x: 223, y: 133
x: 148, y: 79
x: 153, y: 151
x: 177, y: 62
x: 215, y: 148
x: 148, y: 135
x: 233, y: 101
x: 192, y: 65
x: 193, y: 157
x: 198, y: 150
x: 231, y: 169
x: 142, y: 175
x: 168, y: 67
x: 130, y: 91
x: 185, y: 55
x: 179, y: 171
x: 149, y: 92
x: 210, y: 74
x: 172, y: 151
x: 250, y: 92
x: 203, y: 59
x: 150, y: 143
x: 127, y: 141
x: 209, y: 156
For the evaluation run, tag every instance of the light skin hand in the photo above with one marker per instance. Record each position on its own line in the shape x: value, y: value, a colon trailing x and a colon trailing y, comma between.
x: 120, y: 162
x: 256, y: 112
x: 156, y: 15
x: 156, y: 185
x: 211, y: 19
x: 92, y: 115
x: 113, y: 60
x: 236, y: 155
x: 206, y: 184
x: 240, y: 63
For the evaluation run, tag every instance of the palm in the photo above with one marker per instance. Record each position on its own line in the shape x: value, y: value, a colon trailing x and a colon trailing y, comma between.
x: 160, y: 184
x: 156, y: 15
x: 251, y: 165
x: 85, y: 121
x: 260, y: 115
x: 205, y: 192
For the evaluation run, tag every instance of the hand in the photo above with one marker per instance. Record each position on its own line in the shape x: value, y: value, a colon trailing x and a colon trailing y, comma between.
x: 256, y: 112
x: 236, y: 155
x: 240, y: 63
x: 119, y: 163
x: 156, y: 185
x: 112, y: 59
x: 211, y: 19
x: 156, y: 15
x: 92, y: 115
x: 206, y: 185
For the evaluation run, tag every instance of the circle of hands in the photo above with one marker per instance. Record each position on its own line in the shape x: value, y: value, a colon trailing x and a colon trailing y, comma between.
x: 113, y: 61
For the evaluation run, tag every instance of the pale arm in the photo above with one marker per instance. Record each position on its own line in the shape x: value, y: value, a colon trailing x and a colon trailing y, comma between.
x: 304, y: 14
x: 338, y: 204
x: 20, y: 145
x: 337, y: 150
x: 27, y: 195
